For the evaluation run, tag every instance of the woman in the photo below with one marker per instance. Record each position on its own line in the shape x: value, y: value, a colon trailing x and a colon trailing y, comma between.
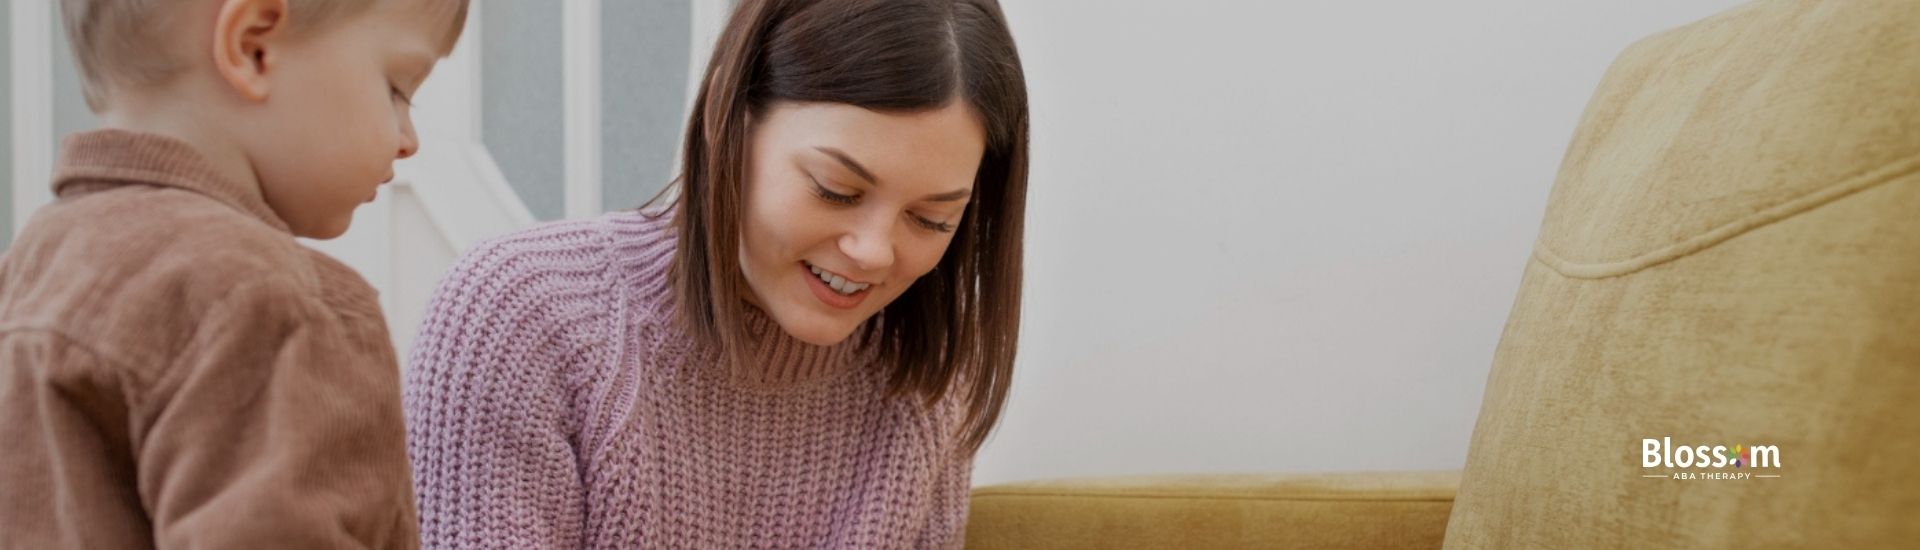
x: 804, y: 348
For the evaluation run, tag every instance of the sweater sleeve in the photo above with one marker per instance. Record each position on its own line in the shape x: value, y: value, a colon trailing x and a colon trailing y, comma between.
x: 489, y: 426
x: 279, y: 431
x: 952, y: 492
x: 952, y: 477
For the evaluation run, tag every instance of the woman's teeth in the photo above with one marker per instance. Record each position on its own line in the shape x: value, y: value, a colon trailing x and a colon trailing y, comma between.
x: 836, y: 283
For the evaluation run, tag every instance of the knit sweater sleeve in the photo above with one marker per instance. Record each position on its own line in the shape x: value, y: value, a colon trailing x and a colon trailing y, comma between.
x: 952, y: 490
x: 492, y: 429
x: 952, y: 480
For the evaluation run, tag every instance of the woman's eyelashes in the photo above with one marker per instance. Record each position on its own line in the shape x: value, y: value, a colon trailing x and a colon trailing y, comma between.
x: 841, y: 199
x: 942, y: 227
x: 832, y: 197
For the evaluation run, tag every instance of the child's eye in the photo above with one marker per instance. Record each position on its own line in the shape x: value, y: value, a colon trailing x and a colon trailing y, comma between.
x: 397, y: 94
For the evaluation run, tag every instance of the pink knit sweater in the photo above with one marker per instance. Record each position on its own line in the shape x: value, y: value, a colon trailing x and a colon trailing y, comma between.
x: 551, y: 403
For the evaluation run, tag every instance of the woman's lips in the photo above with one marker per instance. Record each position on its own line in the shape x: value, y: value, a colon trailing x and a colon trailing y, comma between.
x: 827, y: 295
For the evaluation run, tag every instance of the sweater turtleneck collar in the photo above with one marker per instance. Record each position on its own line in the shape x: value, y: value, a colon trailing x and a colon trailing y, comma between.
x: 777, y: 359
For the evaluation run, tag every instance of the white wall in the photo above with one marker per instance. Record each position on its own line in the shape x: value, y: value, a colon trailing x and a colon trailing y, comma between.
x: 1284, y: 236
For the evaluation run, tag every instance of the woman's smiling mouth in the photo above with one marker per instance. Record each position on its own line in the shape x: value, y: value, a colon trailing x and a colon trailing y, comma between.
x: 834, y: 290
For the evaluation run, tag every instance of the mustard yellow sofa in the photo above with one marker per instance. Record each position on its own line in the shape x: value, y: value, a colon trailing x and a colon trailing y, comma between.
x: 1729, y: 264
x: 1376, y: 510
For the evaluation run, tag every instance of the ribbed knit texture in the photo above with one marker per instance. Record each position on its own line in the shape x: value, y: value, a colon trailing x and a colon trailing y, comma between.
x: 552, y: 403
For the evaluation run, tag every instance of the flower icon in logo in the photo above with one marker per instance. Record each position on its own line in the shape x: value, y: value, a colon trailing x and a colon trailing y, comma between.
x: 1739, y: 457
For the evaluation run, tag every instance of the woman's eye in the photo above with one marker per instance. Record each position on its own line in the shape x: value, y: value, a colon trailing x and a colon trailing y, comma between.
x: 838, y: 199
x: 942, y: 227
x: 834, y: 198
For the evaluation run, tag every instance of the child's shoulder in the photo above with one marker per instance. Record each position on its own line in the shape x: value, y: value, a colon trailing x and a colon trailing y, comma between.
x: 136, y: 269
x: 157, y: 234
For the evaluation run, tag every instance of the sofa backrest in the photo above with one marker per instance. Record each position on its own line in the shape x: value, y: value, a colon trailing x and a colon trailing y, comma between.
x: 1730, y: 258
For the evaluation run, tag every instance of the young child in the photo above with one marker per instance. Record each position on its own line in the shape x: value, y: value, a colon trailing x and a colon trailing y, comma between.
x: 175, y: 369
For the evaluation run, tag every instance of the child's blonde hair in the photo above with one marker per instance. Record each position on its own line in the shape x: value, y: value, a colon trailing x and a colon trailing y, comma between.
x: 130, y: 42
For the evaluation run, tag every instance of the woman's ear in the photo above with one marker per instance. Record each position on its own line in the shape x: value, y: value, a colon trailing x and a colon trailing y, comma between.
x: 245, y: 39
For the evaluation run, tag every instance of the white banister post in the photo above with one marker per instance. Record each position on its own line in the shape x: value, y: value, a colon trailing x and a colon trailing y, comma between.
x: 708, y: 18
x: 448, y: 106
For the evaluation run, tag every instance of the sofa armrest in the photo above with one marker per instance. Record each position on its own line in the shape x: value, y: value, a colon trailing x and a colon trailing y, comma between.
x: 1353, y: 510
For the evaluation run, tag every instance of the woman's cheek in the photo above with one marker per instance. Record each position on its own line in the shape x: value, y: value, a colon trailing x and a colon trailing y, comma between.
x: 923, y: 261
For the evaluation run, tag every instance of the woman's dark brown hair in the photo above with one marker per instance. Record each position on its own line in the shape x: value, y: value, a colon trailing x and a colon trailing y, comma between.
x: 954, y: 332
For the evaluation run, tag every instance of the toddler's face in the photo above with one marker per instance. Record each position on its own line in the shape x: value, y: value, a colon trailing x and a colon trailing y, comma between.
x: 338, y: 114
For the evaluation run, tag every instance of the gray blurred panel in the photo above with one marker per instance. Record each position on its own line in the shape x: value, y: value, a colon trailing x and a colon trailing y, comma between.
x: 521, y: 101
x: 643, y: 61
x: 6, y: 123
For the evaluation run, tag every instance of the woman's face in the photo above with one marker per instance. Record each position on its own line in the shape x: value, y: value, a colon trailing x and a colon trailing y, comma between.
x: 846, y: 208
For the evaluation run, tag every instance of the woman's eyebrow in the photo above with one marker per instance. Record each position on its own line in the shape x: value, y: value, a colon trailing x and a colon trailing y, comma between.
x: 851, y: 164
x: 861, y: 171
x: 950, y: 196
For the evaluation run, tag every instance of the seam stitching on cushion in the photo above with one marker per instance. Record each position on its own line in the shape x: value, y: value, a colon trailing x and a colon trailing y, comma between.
x: 1782, y: 211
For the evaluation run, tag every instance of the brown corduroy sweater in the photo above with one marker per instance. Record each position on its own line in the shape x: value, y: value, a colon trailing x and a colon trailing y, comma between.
x: 177, y: 371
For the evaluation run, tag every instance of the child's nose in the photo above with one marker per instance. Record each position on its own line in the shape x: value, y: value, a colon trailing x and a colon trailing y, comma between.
x: 409, y: 142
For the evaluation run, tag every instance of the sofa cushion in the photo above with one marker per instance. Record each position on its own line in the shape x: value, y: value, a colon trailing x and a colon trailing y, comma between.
x: 1730, y: 258
x: 1366, y: 510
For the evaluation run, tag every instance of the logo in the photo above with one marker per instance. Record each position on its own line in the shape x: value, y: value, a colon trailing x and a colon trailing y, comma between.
x: 1709, y: 461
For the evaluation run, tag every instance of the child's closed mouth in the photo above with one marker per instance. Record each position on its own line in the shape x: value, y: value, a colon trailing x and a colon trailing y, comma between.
x: 376, y: 189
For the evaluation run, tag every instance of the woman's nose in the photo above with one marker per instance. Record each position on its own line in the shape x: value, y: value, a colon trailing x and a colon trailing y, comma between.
x: 870, y: 245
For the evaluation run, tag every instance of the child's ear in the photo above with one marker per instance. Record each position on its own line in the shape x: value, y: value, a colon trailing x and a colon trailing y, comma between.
x: 245, y: 39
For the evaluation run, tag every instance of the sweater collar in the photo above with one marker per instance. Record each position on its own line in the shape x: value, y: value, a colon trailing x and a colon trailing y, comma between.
x: 91, y: 161
x: 777, y: 359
